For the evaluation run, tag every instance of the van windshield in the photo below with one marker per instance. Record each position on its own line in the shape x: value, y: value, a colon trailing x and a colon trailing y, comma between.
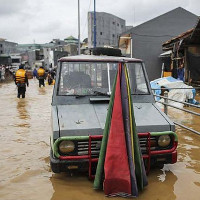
x: 97, y: 78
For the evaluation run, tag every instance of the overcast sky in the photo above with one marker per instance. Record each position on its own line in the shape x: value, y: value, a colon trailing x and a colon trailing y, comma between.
x: 26, y: 21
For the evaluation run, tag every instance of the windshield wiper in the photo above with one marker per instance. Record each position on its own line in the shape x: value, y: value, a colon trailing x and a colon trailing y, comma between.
x: 101, y: 93
x: 79, y: 96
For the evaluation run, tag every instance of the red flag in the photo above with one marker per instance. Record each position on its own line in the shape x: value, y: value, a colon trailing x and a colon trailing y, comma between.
x: 117, y: 174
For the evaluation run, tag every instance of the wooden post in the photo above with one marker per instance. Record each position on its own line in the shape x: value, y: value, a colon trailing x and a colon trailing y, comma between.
x: 165, y: 101
x: 186, y: 65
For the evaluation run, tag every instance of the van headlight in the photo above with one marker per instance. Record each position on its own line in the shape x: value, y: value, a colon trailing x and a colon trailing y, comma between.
x: 66, y: 146
x: 164, y: 140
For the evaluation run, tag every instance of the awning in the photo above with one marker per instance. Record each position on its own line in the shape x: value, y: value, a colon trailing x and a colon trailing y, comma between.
x: 165, y: 54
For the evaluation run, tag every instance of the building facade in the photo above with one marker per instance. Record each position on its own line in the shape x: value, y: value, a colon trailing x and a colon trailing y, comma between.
x: 146, y: 39
x: 108, y: 29
x: 47, y: 54
x: 7, y: 47
x: 183, y: 61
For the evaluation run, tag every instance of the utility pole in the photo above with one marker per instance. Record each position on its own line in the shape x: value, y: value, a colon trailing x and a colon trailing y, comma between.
x: 79, y: 44
x: 95, y: 24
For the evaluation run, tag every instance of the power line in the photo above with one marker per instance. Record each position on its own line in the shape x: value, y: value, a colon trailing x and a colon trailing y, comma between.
x: 152, y: 35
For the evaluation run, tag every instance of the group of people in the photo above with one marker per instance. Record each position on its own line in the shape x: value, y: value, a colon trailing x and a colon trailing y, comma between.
x: 21, y: 79
x: 2, y: 72
x: 41, y: 73
x: 5, y: 72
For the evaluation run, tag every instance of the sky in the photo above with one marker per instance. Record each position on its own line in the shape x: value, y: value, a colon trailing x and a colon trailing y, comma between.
x: 40, y: 21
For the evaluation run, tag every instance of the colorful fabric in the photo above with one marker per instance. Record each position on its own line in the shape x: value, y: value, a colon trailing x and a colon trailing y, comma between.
x: 116, y: 167
x: 120, y: 155
x: 128, y: 130
x: 138, y: 160
x: 99, y: 176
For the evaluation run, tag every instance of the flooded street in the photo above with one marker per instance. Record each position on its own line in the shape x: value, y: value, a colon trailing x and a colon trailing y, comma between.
x: 25, y: 171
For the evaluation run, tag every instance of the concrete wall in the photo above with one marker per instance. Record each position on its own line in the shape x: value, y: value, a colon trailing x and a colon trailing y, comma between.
x: 47, y: 57
x: 71, y: 49
x: 31, y: 58
x: 8, y: 47
x: 108, y: 29
x: 149, y: 37
x: 1, y: 48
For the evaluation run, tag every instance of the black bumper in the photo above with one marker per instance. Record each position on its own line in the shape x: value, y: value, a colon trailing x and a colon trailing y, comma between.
x: 58, y: 166
x: 82, y: 165
x: 160, y: 159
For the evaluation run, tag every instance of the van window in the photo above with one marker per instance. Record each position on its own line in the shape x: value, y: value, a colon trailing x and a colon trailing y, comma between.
x: 137, y: 79
x: 98, y: 78
x: 86, y: 78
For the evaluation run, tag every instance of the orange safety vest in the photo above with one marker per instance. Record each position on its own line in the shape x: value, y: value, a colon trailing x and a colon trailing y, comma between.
x: 20, y: 76
x: 40, y: 72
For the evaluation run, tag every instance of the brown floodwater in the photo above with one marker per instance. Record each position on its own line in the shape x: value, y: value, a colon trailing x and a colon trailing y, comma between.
x: 24, y: 165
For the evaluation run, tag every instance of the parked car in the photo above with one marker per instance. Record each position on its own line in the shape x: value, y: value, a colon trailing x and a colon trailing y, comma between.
x: 79, y: 108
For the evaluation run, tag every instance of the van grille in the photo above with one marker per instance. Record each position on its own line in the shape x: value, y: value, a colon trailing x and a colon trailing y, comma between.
x: 144, y: 144
x: 83, y: 148
x: 96, y: 145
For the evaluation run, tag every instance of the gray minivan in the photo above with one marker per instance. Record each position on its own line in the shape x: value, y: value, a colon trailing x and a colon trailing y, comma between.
x: 79, y: 108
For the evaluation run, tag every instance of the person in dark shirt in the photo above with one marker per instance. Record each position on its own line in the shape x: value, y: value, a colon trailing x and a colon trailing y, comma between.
x: 35, y: 73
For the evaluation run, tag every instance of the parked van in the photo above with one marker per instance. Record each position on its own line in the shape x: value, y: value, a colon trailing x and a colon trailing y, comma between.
x: 79, y: 107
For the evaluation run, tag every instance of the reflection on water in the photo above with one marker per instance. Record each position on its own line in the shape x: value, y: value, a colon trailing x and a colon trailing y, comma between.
x: 22, y: 109
x: 71, y: 187
x: 41, y: 91
x: 25, y: 170
x: 161, y: 185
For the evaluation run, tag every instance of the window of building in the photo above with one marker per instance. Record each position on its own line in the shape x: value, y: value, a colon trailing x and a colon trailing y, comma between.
x: 114, y: 23
x: 1, y: 51
x: 101, y: 33
x: 1, y: 45
x: 117, y: 24
x: 113, y: 35
x: 122, y: 26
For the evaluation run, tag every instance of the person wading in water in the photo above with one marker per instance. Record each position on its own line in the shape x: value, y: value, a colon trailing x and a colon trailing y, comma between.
x: 21, y: 80
x: 41, y: 76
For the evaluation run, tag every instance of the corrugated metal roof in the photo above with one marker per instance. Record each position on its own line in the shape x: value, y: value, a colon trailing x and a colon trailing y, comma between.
x: 2, y: 39
x: 166, y: 54
x: 179, y: 37
x: 193, y: 36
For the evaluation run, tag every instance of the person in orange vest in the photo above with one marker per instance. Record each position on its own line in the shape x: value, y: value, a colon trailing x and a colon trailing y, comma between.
x: 21, y: 80
x: 41, y: 76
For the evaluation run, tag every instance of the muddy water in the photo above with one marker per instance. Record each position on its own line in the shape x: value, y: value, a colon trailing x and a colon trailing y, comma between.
x: 24, y: 165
